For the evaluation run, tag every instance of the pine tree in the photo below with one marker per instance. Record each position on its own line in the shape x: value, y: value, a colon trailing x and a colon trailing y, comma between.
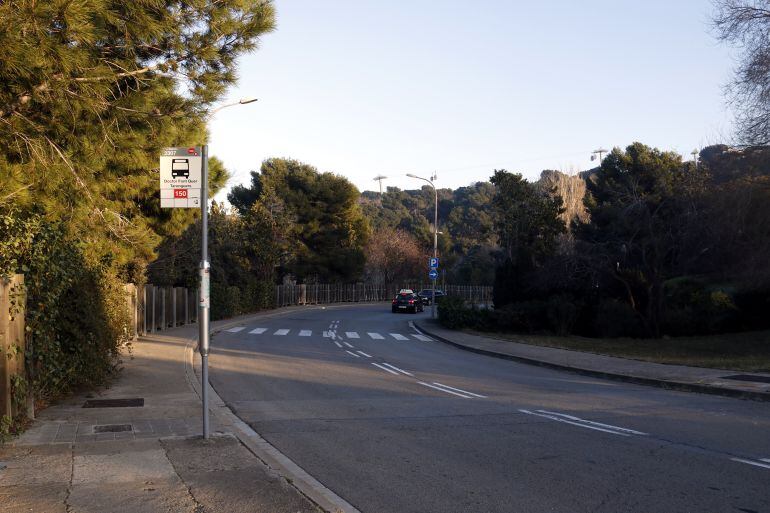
x: 90, y: 90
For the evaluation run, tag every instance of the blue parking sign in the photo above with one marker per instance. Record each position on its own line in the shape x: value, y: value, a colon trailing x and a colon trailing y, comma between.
x: 433, y: 263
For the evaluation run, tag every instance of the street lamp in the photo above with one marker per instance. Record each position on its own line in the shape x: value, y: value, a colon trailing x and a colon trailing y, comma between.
x: 204, y: 303
x: 380, y: 178
x: 435, y: 237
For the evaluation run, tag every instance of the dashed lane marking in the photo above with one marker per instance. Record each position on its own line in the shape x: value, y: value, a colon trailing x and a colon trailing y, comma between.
x: 305, y: 333
x: 398, y: 336
x: 444, y: 390
x: 364, y: 354
x: 258, y: 331
x: 755, y: 463
x: 352, y: 334
x: 424, y: 338
x: 385, y: 368
x: 376, y: 336
x: 587, y: 424
x: 281, y: 333
x: 351, y: 347
x: 354, y: 354
x: 338, y: 344
x: 402, y: 371
x: 236, y: 330
x: 460, y: 390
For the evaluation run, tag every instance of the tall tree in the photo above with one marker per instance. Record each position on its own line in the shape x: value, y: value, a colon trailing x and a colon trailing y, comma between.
x: 746, y: 24
x: 527, y: 223
x: 640, y: 206
x: 90, y: 90
x: 326, y: 230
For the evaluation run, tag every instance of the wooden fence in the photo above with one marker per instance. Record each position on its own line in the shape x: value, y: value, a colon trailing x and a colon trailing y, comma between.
x: 12, y: 343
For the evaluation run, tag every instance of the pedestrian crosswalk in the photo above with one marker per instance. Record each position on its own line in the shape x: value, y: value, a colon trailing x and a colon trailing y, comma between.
x: 333, y: 334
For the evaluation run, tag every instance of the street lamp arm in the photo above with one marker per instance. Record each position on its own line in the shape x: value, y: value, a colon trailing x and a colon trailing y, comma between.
x: 242, y: 101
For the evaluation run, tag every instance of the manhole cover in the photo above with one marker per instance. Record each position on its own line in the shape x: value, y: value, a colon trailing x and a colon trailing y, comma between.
x: 113, y: 428
x: 114, y: 403
x: 749, y: 377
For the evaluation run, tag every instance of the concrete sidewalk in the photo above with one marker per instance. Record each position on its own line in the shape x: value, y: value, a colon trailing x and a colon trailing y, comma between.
x: 151, y: 458
x: 677, y: 377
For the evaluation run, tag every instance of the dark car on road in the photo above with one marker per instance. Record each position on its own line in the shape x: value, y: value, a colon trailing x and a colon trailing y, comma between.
x: 426, y: 295
x: 407, y: 302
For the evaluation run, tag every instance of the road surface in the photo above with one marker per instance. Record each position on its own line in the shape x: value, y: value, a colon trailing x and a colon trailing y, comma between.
x: 395, y: 422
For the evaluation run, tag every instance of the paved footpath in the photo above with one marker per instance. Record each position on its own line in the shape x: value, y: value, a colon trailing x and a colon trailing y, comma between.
x: 151, y: 458
x: 754, y: 386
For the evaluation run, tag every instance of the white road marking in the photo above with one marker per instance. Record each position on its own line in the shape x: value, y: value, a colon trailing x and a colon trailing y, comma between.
x: 281, y: 333
x: 352, y: 334
x: 236, y: 330
x: 444, y: 390
x: 402, y: 371
x: 354, y: 354
x: 609, y: 426
x: 338, y: 344
x: 766, y: 460
x: 398, y: 336
x: 750, y: 462
x: 258, y: 331
x: 361, y: 352
x: 351, y: 347
x: 385, y: 368
x: 578, y: 424
x: 305, y: 333
x: 423, y: 338
x: 460, y: 390
x: 376, y: 336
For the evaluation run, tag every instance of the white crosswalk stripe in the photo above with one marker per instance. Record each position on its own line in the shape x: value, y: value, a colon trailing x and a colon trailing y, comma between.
x: 281, y: 332
x: 352, y: 334
x: 236, y: 330
x: 376, y: 336
x: 258, y: 331
x: 398, y: 336
x: 305, y: 333
x: 423, y: 338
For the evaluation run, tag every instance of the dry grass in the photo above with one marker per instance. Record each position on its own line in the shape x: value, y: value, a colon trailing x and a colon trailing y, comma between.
x: 749, y: 352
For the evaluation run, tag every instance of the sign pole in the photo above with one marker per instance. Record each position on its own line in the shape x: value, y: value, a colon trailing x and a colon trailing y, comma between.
x: 204, y: 302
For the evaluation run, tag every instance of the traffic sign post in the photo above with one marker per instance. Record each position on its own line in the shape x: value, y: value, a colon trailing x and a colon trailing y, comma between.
x: 184, y: 184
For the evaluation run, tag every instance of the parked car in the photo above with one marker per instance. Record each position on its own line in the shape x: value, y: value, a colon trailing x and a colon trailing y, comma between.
x: 406, y: 302
x: 426, y: 295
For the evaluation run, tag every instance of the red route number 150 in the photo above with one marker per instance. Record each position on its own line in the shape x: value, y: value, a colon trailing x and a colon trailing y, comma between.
x: 180, y: 193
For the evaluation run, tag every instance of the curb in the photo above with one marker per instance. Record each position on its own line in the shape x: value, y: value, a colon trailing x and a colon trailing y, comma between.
x: 624, y: 378
x: 275, y: 460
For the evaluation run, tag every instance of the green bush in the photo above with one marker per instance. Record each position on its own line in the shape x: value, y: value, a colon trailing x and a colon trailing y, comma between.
x: 562, y: 314
x: 523, y: 316
x: 615, y: 319
x: 76, y: 314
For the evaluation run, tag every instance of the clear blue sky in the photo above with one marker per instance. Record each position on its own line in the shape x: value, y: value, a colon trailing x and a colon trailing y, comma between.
x: 365, y: 87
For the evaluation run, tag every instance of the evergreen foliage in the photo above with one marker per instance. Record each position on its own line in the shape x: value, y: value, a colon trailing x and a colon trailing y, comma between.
x: 325, y: 229
x: 90, y: 91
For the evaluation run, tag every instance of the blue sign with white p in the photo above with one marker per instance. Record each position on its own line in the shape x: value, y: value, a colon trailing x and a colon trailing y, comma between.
x: 433, y: 263
x: 433, y: 274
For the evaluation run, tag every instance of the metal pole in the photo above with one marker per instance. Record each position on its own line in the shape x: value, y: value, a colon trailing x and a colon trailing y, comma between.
x: 203, y: 303
x: 435, y: 250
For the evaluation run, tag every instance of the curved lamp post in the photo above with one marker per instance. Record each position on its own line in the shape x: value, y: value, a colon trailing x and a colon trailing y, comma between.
x: 435, y: 237
x: 204, y: 301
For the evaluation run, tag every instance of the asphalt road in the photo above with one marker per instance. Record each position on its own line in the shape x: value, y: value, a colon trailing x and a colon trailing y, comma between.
x: 393, y: 422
